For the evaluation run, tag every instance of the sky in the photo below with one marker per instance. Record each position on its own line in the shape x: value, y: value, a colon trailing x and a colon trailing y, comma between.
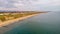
x: 28, y: 5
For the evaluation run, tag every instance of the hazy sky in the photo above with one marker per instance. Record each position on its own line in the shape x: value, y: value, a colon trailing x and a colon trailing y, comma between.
x: 46, y: 5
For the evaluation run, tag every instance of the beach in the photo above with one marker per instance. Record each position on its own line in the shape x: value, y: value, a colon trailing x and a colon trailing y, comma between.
x: 2, y: 24
x: 8, y: 25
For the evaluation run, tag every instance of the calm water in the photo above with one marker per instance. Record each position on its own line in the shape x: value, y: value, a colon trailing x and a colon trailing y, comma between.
x: 48, y: 23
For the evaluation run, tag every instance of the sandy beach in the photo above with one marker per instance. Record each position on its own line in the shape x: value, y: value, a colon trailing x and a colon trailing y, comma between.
x: 8, y: 25
x: 14, y: 20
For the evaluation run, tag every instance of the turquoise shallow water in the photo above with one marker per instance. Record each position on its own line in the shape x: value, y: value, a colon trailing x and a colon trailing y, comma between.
x: 48, y: 23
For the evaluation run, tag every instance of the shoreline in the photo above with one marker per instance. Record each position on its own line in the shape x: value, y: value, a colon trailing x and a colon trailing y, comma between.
x: 2, y: 24
x: 9, y: 26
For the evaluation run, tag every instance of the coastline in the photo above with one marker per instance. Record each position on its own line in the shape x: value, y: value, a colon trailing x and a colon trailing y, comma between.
x: 6, y: 27
x: 2, y: 24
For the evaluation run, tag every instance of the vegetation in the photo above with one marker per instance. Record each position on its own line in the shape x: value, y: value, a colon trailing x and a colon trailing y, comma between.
x: 8, y: 16
x: 2, y: 18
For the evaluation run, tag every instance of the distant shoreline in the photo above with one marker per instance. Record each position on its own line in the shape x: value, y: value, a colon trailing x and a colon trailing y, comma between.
x: 20, y: 11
